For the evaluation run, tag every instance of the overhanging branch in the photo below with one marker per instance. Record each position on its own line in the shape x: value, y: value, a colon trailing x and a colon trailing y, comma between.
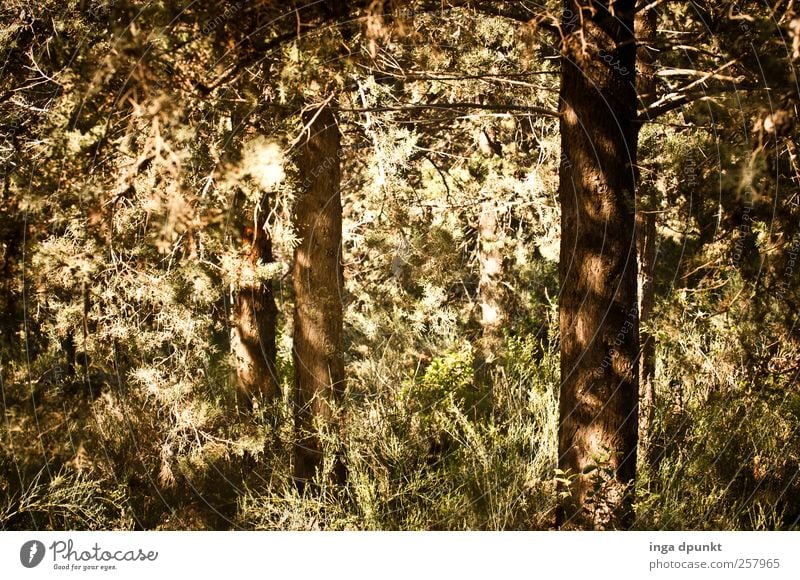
x: 678, y: 100
x: 455, y: 106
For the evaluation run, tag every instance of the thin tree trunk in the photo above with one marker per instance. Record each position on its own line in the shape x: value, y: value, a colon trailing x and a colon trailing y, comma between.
x: 490, y: 292
x: 646, y: 251
x: 255, y: 318
x: 11, y: 242
x: 598, y: 273
x: 645, y: 27
x: 317, y: 281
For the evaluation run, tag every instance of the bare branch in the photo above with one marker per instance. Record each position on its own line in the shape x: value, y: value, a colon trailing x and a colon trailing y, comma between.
x: 678, y: 100
x: 454, y: 106
x: 684, y: 94
x: 684, y: 72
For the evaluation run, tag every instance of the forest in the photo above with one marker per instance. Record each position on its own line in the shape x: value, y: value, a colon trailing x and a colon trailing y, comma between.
x: 399, y: 265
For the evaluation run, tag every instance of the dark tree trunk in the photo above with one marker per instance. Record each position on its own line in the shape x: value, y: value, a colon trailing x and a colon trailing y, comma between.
x: 255, y: 318
x: 318, y: 286
x: 11, y: 245
x: 598, y: 273
x: 646, y: 22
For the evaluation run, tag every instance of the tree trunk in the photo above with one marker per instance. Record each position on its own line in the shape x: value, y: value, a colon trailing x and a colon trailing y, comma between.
x: 598, y: 273
x: 490, y: 292
x: 12, y: 235
x: 255, y: 318
x: 645, y: 28
x: 318, y: 286
x: 646, y: 251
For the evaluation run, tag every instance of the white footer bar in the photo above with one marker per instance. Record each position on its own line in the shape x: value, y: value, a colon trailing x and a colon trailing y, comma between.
x: 400, y: 555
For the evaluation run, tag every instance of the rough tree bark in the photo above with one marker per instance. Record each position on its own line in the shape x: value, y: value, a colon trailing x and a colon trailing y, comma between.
x: 255, y: 318
x: 645, y: 27
x: 598, y: 273
x: 318, y: 282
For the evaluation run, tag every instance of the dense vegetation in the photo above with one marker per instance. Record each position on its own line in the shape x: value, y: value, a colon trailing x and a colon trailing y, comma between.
x: 273, y: 268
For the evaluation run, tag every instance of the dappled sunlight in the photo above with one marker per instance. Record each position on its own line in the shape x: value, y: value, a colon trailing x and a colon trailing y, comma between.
x: 399, y: 265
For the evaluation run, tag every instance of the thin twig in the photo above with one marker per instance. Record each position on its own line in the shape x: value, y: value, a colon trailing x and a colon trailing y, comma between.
x: 307, y: 126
